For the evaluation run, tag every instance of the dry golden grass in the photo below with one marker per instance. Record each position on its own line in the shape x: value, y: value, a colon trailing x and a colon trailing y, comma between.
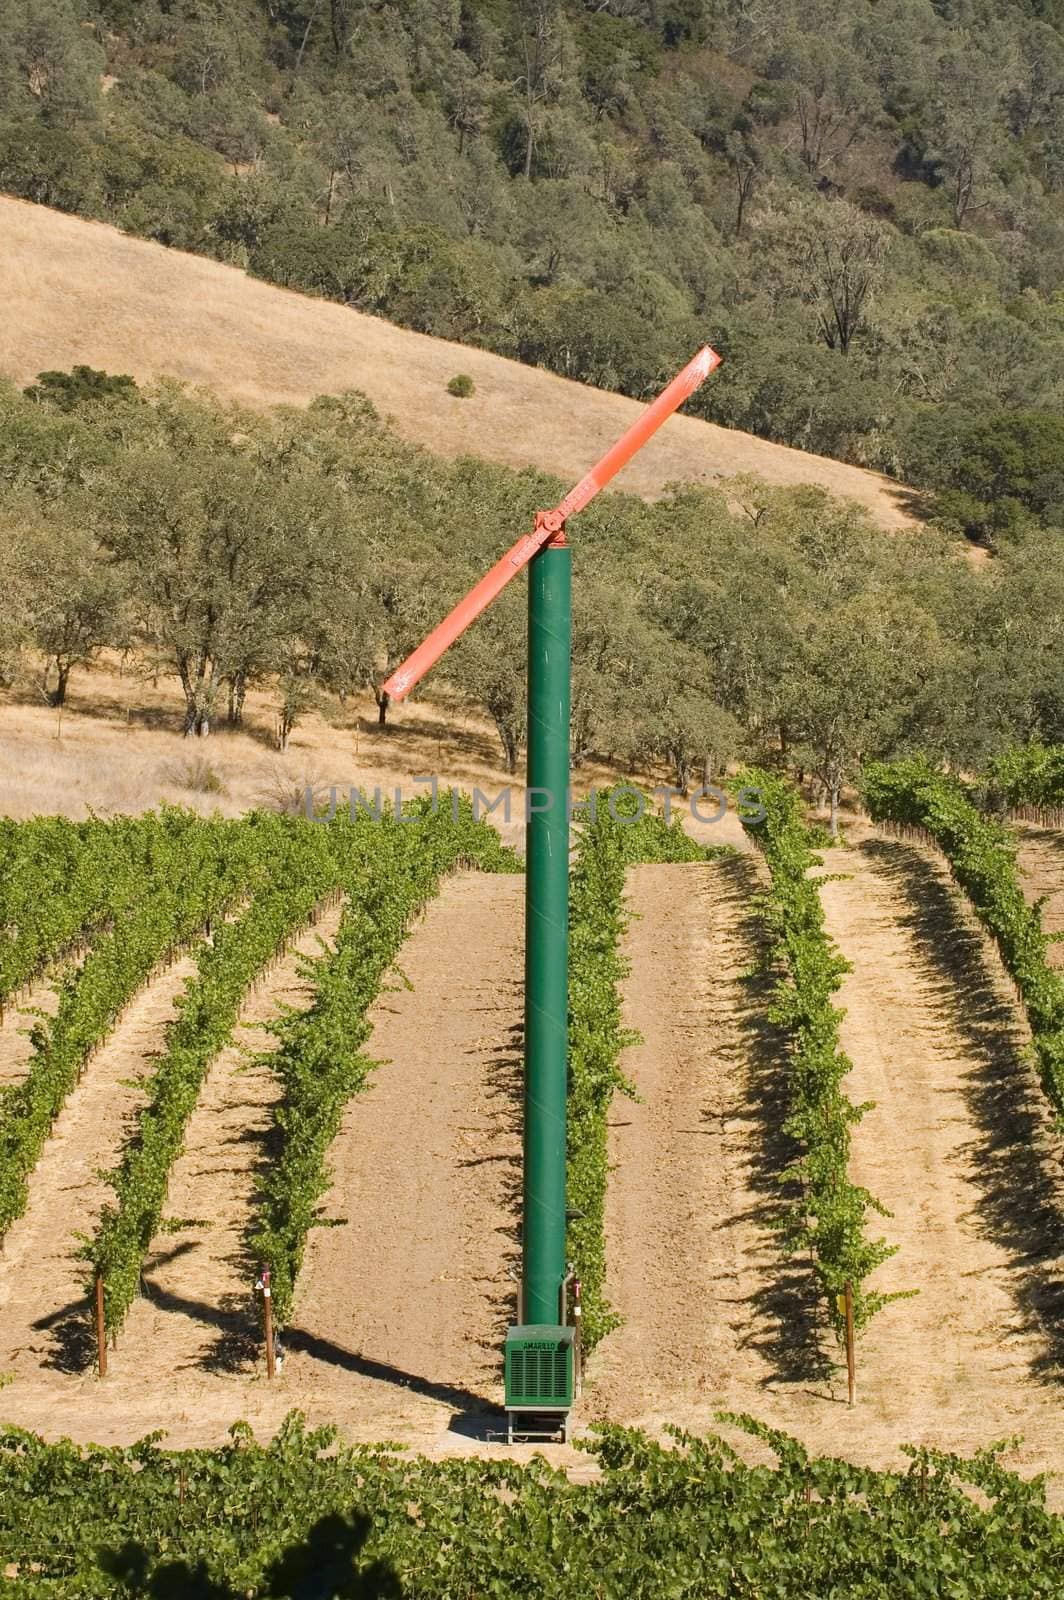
x: 117, y: 749
x: 77, y: 291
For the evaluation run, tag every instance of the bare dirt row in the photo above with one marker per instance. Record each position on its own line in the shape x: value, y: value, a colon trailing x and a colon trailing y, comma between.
x: 691, y: 1264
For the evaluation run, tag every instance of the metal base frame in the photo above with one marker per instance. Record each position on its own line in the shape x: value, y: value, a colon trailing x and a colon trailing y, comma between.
x: 528, y: 1424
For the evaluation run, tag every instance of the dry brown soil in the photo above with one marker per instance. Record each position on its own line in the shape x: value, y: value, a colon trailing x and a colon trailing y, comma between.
x: 79, y: 291
x: 688, y: 1252
x: 118, y: 748
x: 405, y: 1304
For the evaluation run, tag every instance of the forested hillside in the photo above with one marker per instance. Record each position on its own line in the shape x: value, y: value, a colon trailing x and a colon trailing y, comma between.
x: 861, y: 205
x: 307, y: 551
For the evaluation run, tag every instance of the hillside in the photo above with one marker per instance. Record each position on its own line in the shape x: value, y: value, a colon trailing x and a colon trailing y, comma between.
x: 300, y: 1114
x: 861, y: 206
x: 78, y: 291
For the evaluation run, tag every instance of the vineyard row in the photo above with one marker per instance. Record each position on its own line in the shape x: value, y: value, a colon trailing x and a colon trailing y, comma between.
x: 297, y: 869
x: 828, y: 1216
x: 198, y: 871
x: 242, y: 890
x: 607, y: 847
x: 319, y: 1061
x: 62, y: 882
x: 982, y: 857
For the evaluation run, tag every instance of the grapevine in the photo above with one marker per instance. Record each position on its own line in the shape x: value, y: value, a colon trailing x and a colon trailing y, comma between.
x: 606, y: 848
x: 307, y: 1514
x: 829, y: 1219
x: 61, y: 882
x: 196, y: 873
x: 982, y: 857
x: 1029, y: 781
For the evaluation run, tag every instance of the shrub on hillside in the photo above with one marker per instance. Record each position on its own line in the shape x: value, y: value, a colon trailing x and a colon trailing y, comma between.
x: 197, y: 774
x: 69, y: 389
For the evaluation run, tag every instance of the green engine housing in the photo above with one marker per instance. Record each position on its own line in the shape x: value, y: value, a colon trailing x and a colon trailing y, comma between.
x: 539, y: 1367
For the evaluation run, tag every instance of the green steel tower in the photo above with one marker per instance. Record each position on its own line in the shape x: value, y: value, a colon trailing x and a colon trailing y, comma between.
x: 539, y: 1353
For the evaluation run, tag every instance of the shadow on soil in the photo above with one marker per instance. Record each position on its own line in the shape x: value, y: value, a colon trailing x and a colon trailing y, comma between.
x: 239, y: 1338
x: 73, y: 1344
x: 789, y: 1329
x: 503, y: 1095
x: 1011, y: 1161
x: 304, y: 1342
x: 470, y: 742
x: 474, y: 1413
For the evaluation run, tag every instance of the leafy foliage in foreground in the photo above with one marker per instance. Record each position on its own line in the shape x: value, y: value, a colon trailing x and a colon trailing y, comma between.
x: 693, y: 1522
x: 320, y: 1062
x: 608, y: 846
x: 982, y: 857
x: 830, y: 1216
